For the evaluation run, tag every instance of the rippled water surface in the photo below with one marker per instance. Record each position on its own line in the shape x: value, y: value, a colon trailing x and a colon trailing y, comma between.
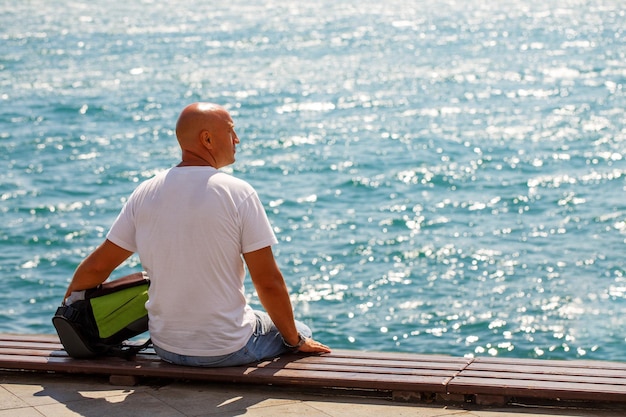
x: 443, y: 176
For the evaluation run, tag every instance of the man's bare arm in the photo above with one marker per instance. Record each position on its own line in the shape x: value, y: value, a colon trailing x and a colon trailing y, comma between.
x: 273, y: 293
x: 97, y: 267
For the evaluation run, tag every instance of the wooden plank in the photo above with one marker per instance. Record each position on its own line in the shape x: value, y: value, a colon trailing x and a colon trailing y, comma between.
x: 337, y: 353
x: 541, y: 363
x: 391, y: 382
x: 42, y: 338
x: 537, y: 389
x: 547, y: 378
x: 554, y: 370
x: 374, y: 371
x: 105, y: 366
x: 30, y: 345
x: 31, y: 352
x: 248, y: 374
x: 548, y: 366
x: 344, y: 360
x: 330, y: 377
x: 399, y: 356
x: 392, y: 359
x: 547, y: 374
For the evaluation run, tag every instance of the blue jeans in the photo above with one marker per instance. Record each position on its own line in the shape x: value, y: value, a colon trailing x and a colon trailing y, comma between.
x: 266, y: 342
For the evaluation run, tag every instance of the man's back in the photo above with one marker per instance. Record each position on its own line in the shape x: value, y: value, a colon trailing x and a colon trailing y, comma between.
x: 190, y: 226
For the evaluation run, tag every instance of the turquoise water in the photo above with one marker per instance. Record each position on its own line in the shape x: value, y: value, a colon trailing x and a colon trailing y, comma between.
x: 443, y: 177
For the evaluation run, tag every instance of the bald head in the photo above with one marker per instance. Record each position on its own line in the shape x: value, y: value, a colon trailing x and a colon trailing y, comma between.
x: 205, y: 133
x: 194, y: 118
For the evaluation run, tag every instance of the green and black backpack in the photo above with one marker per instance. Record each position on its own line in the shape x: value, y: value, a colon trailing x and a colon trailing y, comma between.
x: 99, y: 321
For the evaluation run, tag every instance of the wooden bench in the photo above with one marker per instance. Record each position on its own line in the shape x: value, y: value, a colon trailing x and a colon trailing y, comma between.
x: 549, y: 379
x: 401, y: 376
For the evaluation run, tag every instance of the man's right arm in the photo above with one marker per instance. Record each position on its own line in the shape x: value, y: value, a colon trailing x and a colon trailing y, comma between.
x: 273, y: 294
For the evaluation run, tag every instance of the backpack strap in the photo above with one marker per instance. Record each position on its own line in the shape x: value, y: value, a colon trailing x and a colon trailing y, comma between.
x: 128, y: 350
x: 68, y: 312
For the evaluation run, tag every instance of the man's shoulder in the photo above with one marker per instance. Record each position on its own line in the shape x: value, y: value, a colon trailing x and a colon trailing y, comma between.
x: 156, y: 178
x: 231, y: 180
x: 214, y: 178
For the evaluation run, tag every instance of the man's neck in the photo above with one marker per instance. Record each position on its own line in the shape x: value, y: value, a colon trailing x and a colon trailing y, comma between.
x: 191, y: 159
x: 194, y: 164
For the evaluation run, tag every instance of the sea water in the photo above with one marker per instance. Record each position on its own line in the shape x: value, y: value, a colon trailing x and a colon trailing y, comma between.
x: 443, y: 176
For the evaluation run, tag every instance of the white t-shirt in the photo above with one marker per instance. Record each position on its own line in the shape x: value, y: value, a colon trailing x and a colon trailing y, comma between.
x: 190, y: 226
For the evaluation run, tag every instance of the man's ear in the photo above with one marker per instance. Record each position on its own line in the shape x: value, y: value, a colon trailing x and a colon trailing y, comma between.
x: 206, y: 139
